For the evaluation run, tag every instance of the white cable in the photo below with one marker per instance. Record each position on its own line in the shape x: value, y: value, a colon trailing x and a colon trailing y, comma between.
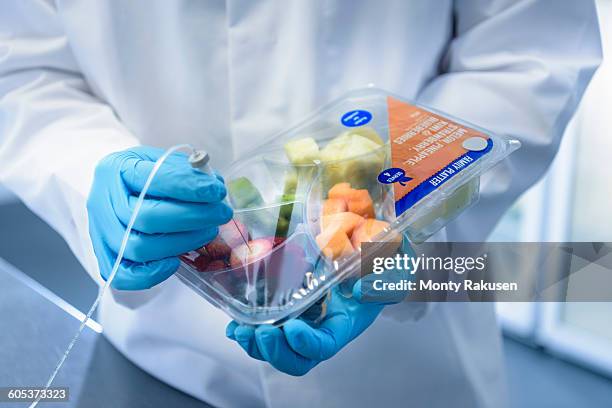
x: 110, y: 279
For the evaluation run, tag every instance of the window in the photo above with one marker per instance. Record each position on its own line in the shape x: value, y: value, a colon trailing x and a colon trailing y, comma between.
x: 581, y: 210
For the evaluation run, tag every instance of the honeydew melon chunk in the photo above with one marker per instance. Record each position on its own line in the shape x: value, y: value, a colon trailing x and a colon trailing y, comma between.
x: 335, y: 148
x: 368, y: 133
x: 291, y: 182
x: 287, y: 207
x: 460, y: 199
x: 243, y: 194
x: 282, y: 227
x: 302, y: 151
x: 418, y: 226
x: 347, y: 145
x: 443, y: 212
x: 352, y: 158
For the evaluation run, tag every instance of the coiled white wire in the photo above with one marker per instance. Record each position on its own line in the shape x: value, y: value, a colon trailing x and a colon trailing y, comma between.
x: 110, y: 279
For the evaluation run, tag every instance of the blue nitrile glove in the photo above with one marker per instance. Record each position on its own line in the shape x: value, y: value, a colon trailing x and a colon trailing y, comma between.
x: 297, y: 346
x: 181, y: 212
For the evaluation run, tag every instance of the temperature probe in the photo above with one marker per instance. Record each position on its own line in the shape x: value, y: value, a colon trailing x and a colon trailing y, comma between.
x: 199, y: 160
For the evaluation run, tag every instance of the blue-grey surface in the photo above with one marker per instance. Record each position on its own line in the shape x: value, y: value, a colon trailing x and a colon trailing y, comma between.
x: 33, y: 247
x: 536, y: 379
x: 36, y: 333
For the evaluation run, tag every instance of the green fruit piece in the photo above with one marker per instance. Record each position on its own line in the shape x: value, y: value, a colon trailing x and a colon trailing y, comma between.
x: 368, y: 133
x: 423, y: 227
x: 352, y: 158
x: 302, y: 151
x: 291, y: 182
x: 460, y: 199
x: 360, y: 145
x: 332, y: 155
x: 348, y: 145
x: 243, y: 193
x: 286, y: 209
x: 282, y: 227
x: 335, y: 149
x: 298, y: 180
x: 363, y: 158
x: 419, y: 225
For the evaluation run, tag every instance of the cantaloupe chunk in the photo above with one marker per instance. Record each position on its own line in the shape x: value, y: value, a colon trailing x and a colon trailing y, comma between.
x: 368, y: 229
x: 346, y: 221
x: 342, y: 191
x: 334, y: 243
x: 333, y: 206
x: 361, y: 203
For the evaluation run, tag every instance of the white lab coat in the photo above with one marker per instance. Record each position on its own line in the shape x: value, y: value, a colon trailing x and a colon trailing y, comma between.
x: 81, y: 79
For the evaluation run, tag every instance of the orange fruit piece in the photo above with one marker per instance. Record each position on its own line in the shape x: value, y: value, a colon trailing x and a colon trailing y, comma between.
x: 361, y: 203
x: 342, y: 191
x: 367, y: 230
x: 346, y: 221
x: 334, y: 243
x: 334, y: 206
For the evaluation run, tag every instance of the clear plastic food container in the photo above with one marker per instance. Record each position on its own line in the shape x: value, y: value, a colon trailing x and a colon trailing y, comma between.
x: 370, y: 166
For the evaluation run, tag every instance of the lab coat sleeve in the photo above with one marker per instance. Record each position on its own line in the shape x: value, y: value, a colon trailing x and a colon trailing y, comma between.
x: 518, y: 68
x: 53, y: 130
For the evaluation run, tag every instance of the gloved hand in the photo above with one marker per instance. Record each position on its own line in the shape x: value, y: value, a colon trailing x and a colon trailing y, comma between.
x: 298, y: 346
x: 181, y: 212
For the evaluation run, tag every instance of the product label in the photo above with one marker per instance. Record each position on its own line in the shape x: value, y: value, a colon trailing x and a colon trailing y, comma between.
x: 429, y: 149
x: 356, y: 118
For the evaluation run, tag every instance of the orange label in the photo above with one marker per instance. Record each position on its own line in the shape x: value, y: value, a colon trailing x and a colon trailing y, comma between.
x: 430, y: 149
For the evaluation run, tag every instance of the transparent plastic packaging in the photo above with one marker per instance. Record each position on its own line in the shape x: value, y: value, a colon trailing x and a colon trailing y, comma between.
x: 410, y: 170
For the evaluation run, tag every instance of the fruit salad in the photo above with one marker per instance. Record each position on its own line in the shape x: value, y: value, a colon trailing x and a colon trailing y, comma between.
x: 370, y: 166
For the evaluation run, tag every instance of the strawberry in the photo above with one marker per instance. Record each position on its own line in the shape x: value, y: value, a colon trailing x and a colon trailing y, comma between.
x: 218, y: 249
x: 195, y: 260
x: 189, y: 257
x: 216, y: 265
x: 233, y: 233
x: 257, y: 249
x: 276, y: 241
x: 202, y: 262
x: 230, y: 236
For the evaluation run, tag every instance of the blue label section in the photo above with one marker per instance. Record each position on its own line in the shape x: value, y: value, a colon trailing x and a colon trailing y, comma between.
x: 441, y: 177
x: 356, y: 118
x: 393, y: 175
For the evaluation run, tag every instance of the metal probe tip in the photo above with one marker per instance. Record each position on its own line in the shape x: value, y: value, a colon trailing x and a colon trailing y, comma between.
x: 199, y: 159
